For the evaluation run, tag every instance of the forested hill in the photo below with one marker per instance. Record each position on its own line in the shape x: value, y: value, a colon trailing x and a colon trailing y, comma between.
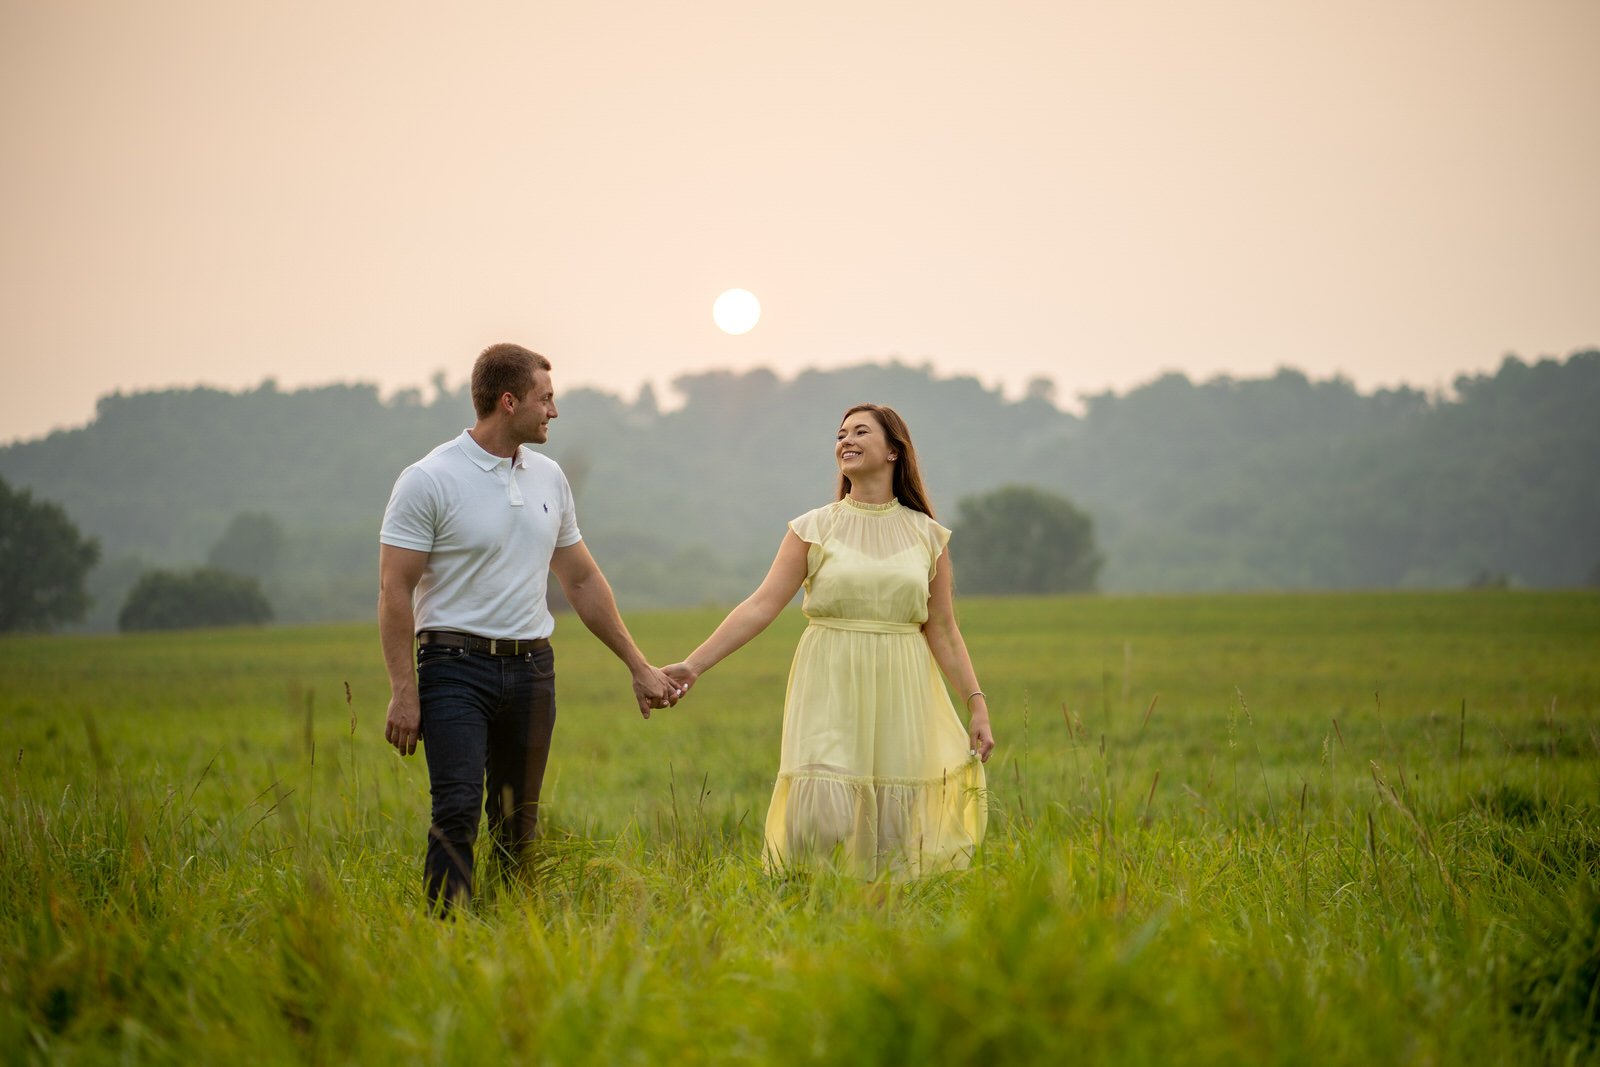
x: 1279, y: 482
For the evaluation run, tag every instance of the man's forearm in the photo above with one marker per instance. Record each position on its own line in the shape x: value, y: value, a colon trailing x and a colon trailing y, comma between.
x: 397, y: 632
x: 597, y: 607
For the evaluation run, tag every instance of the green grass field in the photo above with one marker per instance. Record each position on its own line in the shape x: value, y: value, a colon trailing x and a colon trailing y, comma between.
x: 1266, y: 829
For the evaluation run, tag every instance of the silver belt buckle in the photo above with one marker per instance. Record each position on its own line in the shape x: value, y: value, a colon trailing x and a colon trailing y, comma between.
x: 494, y: 646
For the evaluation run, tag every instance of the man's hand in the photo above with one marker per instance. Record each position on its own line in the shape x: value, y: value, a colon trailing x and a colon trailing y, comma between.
x: 404, y: 725
x: 654, y: 688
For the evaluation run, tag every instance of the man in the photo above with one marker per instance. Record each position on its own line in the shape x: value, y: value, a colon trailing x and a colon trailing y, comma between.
x: 469, y: 537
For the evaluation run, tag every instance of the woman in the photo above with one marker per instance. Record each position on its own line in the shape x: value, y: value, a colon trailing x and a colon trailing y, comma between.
x: 877, y: 773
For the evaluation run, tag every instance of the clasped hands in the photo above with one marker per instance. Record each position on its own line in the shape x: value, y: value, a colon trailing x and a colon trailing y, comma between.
x: 661, y: 687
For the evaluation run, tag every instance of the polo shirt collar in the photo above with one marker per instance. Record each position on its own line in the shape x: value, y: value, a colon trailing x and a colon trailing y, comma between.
x: 486, y: 460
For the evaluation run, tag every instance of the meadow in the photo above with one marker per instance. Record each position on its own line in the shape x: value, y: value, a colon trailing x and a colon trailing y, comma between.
x: 1275, y: 829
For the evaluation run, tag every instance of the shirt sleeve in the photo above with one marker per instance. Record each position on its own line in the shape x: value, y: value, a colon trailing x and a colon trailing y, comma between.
x: 568, y: 533
x: 411, y: 519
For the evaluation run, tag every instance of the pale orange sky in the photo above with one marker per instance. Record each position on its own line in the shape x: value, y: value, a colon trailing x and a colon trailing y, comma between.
x: 200, y: 192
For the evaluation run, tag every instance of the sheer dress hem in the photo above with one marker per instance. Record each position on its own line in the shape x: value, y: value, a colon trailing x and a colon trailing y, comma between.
x: 876, y: 779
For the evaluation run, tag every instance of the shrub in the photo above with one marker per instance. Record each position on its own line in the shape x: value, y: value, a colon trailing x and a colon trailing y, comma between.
x: 171, y: 600
x: 43, y: 563
x: 1018, y: 539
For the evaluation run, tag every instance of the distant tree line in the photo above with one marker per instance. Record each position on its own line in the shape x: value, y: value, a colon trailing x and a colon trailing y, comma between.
x: 44, y: 560
x: 1277, y: 482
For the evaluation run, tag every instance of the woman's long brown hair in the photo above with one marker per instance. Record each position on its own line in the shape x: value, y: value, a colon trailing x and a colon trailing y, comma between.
x: 907, y: 475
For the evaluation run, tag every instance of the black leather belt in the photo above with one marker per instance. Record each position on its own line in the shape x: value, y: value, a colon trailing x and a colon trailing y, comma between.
x: 492, y: 646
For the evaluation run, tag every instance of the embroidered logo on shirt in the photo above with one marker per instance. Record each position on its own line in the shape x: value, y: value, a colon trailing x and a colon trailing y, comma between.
x: 546, y: 508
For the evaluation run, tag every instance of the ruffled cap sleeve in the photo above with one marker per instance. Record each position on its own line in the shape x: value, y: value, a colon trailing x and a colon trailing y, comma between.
x: 938, y: 538
x: 813, y: 526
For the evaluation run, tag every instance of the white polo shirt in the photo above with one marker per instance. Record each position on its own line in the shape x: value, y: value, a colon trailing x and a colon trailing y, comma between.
x: 489, y: 525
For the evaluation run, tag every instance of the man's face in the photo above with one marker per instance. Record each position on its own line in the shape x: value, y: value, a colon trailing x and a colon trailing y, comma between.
x: 534, y: 411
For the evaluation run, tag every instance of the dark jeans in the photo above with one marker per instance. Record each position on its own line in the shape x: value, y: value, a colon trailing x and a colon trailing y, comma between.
x: 484, y: 718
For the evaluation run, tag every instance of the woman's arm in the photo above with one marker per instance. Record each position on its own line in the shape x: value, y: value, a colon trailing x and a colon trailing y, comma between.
x: 753, y: 615
x: 950, y: 652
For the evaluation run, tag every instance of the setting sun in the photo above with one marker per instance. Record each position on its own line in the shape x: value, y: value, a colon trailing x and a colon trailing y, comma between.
x: 736, y: 311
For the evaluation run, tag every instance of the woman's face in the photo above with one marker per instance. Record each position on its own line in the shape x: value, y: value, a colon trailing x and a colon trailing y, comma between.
x: 863, y: 448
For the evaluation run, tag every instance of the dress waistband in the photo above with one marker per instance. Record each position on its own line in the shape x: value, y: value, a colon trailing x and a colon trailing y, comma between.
x: 866, y: 626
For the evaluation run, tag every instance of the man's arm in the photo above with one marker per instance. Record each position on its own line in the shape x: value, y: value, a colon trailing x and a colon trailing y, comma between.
x: 590, y: 595
x: 399, y: 571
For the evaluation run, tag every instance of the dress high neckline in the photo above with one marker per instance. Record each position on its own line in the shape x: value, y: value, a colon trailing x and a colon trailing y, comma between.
x: 855, y: 505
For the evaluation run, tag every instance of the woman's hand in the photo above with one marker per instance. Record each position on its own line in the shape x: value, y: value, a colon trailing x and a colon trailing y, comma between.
x: 681, y: 673
x: 980, y: 737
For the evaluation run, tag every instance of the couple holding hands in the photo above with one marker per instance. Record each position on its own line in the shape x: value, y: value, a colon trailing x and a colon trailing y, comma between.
x: 877, y: 774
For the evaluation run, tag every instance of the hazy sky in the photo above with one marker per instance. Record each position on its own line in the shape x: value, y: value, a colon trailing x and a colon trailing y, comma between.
x: 219, y: 192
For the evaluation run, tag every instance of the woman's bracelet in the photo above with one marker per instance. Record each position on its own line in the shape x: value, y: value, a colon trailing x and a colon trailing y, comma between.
x: 975, y: 693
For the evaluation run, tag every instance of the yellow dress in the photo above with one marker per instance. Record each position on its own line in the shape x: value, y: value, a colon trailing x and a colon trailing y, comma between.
x: 875, y: 774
